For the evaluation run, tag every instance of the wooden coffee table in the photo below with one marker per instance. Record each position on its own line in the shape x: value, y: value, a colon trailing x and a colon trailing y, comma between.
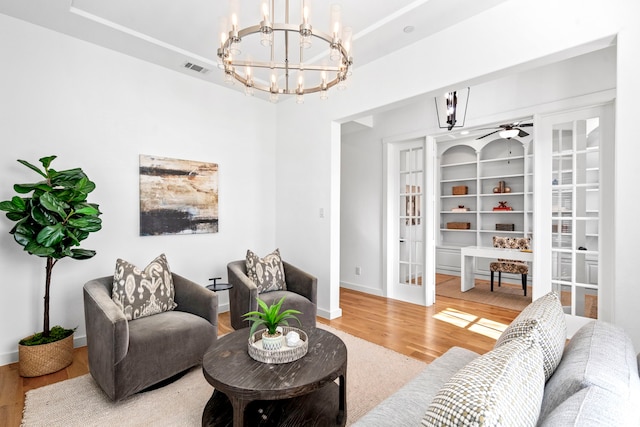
x: 251, y: 393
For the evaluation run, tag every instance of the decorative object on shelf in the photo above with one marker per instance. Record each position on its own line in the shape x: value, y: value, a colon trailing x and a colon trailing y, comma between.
x: 271, y: 318
x: 501, y: 188
x: 505, y: 227
x: 460, y: 208
x: 310, y: 78
x: 51, y: 222
x: 459, y: 225
x: 286, y: 353
x: 177, y: 196
x: 451, y: 108
x: 502, y: 206
x: 459, y: 190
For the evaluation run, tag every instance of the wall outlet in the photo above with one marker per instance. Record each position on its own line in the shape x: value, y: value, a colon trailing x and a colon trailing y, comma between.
x: 358, y: 271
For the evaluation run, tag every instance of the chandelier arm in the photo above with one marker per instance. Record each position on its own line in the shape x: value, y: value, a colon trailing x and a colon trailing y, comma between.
x: 283, y: 66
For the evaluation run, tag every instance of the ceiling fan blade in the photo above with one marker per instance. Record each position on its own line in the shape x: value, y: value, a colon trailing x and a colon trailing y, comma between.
x: 522, y: 133
x: 525, y: 125
x: 491, y: 133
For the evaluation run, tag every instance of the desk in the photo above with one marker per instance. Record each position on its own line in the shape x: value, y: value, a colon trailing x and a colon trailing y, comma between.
x: 469, y: 254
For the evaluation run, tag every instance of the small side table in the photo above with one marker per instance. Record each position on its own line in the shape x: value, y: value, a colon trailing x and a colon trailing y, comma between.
x: 219, y: 286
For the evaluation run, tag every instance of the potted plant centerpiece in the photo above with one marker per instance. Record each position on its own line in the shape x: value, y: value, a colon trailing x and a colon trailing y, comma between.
x: 270, y: 317
x: 50, y: 223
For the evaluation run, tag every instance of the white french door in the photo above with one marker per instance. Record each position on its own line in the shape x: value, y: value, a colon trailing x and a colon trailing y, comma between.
x: 407, y: 275
x: 577, y: 237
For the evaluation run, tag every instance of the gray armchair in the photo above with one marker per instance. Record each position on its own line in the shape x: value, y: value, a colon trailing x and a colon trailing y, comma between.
x: 128, y: 356
x: 301, y: 294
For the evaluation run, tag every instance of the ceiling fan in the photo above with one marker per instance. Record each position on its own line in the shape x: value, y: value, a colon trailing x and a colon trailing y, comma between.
x: 508, y: 131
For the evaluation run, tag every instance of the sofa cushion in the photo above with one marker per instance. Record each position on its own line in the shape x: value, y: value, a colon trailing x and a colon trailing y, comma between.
x: 502, y: 387
x: 590, y: 407
x: 598, y: 355
x: 407, y: 406
x: 267, y: 273
x: 141, y: 293
x: 545, y: 318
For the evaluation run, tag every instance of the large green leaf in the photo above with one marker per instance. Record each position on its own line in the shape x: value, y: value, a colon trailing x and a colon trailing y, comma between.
x: 16, y: 216
x: 42, y: 216
x: 50, y: 235
x: 51, y: 203
x: 88, y: 210
x: 34, y: 168
x: 82, y: 253
x: 46, y: 161
x: 26, y: 188
x: 39, y: 250
x: 86, y: 223
x: 16, y: 204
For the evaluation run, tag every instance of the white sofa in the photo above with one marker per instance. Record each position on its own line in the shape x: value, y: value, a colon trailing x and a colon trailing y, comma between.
x: 530, y: 378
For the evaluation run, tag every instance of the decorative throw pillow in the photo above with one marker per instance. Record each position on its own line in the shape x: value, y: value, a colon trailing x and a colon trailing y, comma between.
x: 267, y: 273
x: 545, y: 318
x: 141, y: 293
x: 501, y: 388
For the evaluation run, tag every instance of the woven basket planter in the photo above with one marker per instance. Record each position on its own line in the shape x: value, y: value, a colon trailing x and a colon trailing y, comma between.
x: 43, y: 359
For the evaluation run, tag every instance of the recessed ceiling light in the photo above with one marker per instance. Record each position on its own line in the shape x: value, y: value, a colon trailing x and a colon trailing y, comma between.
x: 464, y: 132
x: 408, y: 29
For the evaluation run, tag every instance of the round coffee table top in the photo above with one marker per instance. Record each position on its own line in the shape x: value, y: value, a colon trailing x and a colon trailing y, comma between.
x: 228, y: 367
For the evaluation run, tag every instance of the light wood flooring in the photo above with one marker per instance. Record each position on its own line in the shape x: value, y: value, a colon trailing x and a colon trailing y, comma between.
x: 420, y: 332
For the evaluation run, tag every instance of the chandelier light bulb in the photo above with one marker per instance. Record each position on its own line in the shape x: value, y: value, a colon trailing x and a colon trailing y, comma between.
x: 234, y: 22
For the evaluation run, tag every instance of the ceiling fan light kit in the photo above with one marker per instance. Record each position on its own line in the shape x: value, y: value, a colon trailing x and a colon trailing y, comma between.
x: 508, y: 130
x: 281, y: 64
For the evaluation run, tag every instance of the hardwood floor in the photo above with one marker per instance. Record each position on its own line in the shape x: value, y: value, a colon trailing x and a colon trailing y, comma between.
x: 420, y: 332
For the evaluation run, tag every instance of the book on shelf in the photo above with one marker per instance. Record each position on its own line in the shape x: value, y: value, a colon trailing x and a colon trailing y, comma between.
x: 508, y: 208
x: 460, y: 210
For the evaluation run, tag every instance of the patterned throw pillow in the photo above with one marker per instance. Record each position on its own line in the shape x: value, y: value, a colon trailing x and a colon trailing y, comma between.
x: 501, y: 388
x: 267, y: 273
x: 545, y: 318
x: 141, y: 293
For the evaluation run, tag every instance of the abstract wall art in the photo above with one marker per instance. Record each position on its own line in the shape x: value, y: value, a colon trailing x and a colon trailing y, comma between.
x: 177, y: 196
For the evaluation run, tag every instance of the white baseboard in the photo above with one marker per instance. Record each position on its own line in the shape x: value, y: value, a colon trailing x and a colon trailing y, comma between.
x: 361, y: 288
x: 327, y: 314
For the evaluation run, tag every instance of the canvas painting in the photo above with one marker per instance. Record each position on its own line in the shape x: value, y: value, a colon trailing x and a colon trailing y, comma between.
x: 177, y: 196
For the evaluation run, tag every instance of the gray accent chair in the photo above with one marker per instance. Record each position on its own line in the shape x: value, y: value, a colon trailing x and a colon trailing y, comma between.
x: 301, y: 294
x: 129, y: 356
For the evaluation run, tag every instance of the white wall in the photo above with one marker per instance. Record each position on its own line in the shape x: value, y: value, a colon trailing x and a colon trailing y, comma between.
x: 361, y: 210
x: 98, y: 109
x: 488, y: 44
x: 361, y: 169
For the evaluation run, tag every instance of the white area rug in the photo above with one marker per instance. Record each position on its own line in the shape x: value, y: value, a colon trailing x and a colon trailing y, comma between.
x: 373, y: 373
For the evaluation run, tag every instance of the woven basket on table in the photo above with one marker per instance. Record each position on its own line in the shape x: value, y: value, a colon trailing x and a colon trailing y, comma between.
x: 36, y: 360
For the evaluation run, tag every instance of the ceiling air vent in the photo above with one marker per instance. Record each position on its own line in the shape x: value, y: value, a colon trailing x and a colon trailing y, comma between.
x: 195, y: 67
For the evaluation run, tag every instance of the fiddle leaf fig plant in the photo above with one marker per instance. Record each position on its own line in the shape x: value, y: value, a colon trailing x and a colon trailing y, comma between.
x: 52, y: 217
x: 270, y: 316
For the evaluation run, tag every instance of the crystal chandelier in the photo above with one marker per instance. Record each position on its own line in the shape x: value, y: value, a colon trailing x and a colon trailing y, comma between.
x: 277, y: 57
